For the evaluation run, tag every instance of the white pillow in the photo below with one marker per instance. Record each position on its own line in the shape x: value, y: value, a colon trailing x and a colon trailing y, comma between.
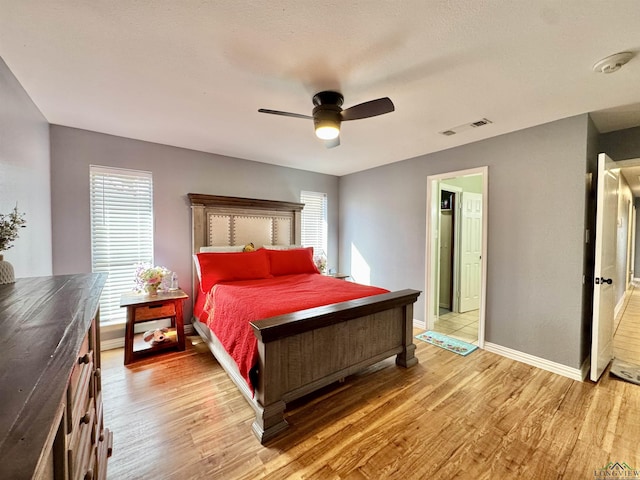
x: 281, y: 247
x: 222, y: 249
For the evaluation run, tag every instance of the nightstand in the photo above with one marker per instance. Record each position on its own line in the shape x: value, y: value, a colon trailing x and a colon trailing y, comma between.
x: 339, y: 276
x: 145, y: 308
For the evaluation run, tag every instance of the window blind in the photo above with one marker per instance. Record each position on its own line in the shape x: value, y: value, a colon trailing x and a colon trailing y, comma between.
x: 314, y: 221
x: 121, y: 232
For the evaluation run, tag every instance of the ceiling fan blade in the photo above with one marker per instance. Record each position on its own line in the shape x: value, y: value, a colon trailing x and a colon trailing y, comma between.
x: 334, y: 142
x: 285, y: 114
x: 372, y: 108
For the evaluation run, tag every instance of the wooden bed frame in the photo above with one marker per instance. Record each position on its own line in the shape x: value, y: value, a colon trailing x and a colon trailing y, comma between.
x: 305, y: 350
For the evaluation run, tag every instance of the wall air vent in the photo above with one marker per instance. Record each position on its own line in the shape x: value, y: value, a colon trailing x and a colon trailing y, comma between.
x: 461, y: 128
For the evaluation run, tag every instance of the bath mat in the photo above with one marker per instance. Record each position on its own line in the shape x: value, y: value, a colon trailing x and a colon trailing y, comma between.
x: 626, y: 371
x: 452, y: 344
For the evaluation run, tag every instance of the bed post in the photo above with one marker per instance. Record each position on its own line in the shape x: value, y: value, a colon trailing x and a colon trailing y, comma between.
x: 198, y: 239
x: 269, y: 403
x: 406, y: 357
x: 269, y: 421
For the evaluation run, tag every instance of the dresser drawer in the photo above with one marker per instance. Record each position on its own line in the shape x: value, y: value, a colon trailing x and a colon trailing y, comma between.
x: 82, y: 448
x: 155, y: 311
x: 82, y: 356
x: 103, y: 452
x: 79, y: 398
x: 97, y: 432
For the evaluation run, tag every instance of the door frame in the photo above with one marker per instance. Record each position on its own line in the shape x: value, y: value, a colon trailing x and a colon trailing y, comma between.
x: 432, y: 244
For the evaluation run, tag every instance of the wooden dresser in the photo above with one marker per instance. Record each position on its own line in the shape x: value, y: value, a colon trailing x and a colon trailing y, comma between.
x: 51, y: 423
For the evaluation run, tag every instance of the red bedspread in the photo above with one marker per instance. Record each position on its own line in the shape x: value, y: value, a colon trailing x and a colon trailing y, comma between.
x: 230, y: 306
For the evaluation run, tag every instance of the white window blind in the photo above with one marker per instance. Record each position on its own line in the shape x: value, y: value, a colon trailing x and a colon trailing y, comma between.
x: 314, y: 221
x: 121, y: 231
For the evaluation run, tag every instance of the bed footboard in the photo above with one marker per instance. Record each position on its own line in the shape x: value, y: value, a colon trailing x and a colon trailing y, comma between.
x: 306, y: 350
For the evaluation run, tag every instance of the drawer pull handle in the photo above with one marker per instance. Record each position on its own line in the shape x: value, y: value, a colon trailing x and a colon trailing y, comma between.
x: 88, y: 475
x: 85, y: 418
x: 84, y: 359
x: 98, y: 373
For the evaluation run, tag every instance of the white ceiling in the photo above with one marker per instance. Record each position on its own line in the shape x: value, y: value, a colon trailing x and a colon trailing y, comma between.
x: 193, y: 73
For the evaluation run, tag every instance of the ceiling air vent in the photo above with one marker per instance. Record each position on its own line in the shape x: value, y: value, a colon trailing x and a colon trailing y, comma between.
x: 461, y: 128
x: 480, y: 123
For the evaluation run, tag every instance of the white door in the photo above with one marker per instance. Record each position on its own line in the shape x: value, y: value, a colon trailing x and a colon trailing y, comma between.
x: 605, y: 267
x: 470, y: 251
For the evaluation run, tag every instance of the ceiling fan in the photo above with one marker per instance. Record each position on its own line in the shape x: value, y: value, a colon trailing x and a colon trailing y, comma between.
x: 328, y: 114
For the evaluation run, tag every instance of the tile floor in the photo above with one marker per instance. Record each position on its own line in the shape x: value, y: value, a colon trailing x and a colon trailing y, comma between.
x: 626, y: 339
x: 463, y: 326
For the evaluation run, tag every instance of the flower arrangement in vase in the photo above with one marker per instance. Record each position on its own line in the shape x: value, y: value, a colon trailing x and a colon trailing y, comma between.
x: 321, y: 262
x: 149, y: 278
x: 9, y: 225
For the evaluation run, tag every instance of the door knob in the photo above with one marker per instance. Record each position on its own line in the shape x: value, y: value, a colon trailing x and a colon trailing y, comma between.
x: 600, y: 280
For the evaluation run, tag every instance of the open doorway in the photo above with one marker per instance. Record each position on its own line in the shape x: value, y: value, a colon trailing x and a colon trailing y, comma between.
x: 626, y: 326
x: 456, y: 254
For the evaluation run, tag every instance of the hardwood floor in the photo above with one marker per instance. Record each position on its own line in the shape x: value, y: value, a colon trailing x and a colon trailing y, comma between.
x: 626, y: 341
x: 178, y: 416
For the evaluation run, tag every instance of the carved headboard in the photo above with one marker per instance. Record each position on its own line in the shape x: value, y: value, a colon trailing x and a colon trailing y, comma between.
x: 227, y: 221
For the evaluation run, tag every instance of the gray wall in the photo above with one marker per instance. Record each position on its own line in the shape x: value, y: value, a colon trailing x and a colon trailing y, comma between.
x: 176, y: 172
x: 622, y: 144
x: 536, y: 200
x: 24, y: 176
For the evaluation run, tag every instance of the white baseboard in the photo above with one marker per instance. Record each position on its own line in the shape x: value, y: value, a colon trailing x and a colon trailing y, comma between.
x: 111, y: 344
x: 544, y: 364
x: 619, y: 305
x: 586, y: 366
x: 419, y: 324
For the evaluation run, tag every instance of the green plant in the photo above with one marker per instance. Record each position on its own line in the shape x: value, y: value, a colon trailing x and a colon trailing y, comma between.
x: 9, y: 225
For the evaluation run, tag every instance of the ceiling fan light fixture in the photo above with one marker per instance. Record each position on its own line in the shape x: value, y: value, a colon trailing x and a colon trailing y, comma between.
x: 326, y: 121
x: 328, y: 114
x: 327, y: 130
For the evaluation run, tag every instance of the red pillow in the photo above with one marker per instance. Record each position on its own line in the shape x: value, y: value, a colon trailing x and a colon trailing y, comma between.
x: 219, y: 267
x: 295, y: 260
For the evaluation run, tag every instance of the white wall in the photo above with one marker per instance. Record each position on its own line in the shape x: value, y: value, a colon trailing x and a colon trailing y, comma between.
x: 625, y: 202
x: 469, y: 183
x: 24, y: 176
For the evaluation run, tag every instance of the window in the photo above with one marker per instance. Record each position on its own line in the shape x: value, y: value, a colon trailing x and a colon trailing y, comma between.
x: 314, y: 221
x: 121, y: 231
